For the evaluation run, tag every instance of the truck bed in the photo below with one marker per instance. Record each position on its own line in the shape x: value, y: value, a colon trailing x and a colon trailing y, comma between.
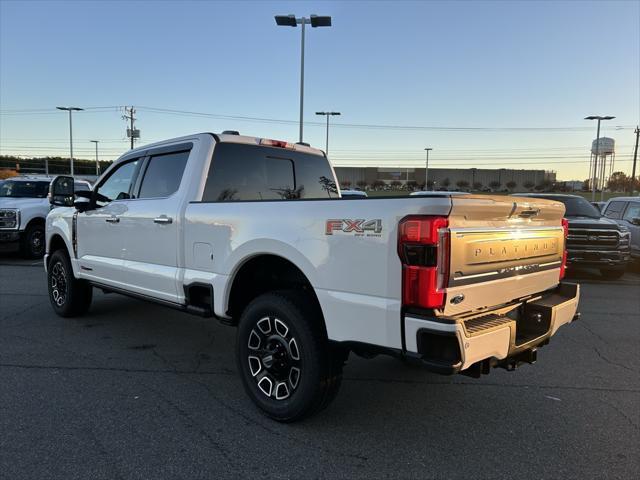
x: 347, y: 250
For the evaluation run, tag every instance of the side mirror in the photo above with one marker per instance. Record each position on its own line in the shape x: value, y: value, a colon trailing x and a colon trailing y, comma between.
x: 61, y: 191
x: 636, y: 221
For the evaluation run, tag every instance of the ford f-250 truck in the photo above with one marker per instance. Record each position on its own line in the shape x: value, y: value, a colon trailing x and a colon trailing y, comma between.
x: 23, y: 210
x: 254, y: 232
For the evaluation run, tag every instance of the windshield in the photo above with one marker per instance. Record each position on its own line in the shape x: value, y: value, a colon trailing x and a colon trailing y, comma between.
x: 22, y: 189
x: 577, y: 207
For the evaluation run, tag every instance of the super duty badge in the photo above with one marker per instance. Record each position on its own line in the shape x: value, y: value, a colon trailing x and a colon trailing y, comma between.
x: 358, y: 227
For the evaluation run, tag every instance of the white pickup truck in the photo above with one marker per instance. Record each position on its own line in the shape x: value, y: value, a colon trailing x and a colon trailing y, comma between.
x: 254, y: 233
x: 23, y: 209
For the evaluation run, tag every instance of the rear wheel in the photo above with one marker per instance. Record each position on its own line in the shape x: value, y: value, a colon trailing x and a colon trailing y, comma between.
x: 69, y: 296
x: 32, y: 242
x: 287, y: 365
x: 612, y: 274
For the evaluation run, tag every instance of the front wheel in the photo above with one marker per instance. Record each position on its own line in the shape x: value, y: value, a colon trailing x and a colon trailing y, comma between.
x: 287, y: 366
x: 32, y: 242
x: 69, y: 296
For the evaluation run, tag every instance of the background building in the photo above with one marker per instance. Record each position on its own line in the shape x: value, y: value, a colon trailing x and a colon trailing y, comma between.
x: 447, y: 177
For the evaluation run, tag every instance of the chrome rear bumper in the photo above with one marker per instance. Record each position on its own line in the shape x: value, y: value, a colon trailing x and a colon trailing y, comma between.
x: 479, y: 342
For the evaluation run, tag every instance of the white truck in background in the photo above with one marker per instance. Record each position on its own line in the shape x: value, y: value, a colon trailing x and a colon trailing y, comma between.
x: 254, y: 232
x: 23, y: 209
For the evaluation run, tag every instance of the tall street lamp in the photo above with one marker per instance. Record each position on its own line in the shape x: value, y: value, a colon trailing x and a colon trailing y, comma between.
x: 327, y: 114
x: 292, y: 21
x: 97, y: 163
x: 426, y: 171
x: 595, y: 161
x: 70, y: 109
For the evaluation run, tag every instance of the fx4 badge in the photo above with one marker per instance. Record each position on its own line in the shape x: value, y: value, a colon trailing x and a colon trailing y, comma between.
x: 358, y: 227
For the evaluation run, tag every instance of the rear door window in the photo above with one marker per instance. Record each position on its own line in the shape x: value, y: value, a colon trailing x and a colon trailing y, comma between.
x: 614, y: 210
x: 163, y: 175
x: 242, y: 172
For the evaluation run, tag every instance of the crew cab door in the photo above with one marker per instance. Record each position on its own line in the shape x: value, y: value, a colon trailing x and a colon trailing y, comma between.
x: 150, y: 224
x: 99, y: 234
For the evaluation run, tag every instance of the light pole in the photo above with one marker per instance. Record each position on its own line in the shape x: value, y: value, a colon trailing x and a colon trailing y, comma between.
x: 292, y: 21
x: 327, y: 114
x: 595, y: 160
x: 426, y: 170
x: 70, y: 109
x: 97, y: 163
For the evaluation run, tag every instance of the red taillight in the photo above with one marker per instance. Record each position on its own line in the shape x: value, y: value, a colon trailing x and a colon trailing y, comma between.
x: 563, y: 266
x: 423, y: 251
x: 277, y: 143
x: 423, y: 230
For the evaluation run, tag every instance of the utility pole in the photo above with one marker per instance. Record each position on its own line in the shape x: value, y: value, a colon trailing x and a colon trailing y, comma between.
x: 597, y: 153
x: 635, y: 159
x: 292, y: 21
x: 70, y: 110
x: 426, y: 170
x: 327, y: 114
x: 132, y: 133
x: 97, y: 162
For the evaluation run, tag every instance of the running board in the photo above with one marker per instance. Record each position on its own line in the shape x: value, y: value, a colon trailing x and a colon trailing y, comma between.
x: 192, y: 309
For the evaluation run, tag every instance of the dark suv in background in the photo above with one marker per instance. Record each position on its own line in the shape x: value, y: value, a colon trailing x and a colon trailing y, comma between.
x: 594, y: 241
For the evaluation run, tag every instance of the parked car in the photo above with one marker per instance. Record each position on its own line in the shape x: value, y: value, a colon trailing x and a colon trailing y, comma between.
x: 626, y: 212
x: 219, y: 225
x: 353, y: 194
x: 598, y: 205
x: 594, y: 241
x: 23, y: 210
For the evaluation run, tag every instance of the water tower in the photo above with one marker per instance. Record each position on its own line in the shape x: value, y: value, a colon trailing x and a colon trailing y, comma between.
x: 601, y: 167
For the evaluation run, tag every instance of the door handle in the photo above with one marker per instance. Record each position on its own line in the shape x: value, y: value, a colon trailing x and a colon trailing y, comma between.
x: 112, y: 219
x: 163, y: 219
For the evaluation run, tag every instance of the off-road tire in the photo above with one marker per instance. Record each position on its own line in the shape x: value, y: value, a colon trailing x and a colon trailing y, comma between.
x: 32, y: 242
x: 319, y: 363
x: 69, y: 296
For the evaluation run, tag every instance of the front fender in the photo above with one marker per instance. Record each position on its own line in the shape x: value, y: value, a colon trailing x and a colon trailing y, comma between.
x: 29, y: 213
x: 59, y: 223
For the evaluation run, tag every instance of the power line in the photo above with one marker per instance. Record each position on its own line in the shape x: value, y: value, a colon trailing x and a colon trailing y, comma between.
x: 169, y: 111
x: 52, y: 110
x: 359, y: 125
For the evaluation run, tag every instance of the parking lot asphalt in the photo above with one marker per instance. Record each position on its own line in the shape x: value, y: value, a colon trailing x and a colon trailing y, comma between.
x: 137, y: 391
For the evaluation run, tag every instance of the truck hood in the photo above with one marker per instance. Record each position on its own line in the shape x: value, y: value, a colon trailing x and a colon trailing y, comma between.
x: 11, y: 202
x: 594, y: 223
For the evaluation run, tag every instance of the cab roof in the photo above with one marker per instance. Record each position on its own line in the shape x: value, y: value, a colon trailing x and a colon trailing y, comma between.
x: 230, y: 138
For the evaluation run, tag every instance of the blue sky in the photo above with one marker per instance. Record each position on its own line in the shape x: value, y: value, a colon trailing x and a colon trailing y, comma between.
x: 440, y: 64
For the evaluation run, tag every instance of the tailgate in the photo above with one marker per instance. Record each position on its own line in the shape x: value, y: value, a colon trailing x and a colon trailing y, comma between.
x: 502, y: 249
